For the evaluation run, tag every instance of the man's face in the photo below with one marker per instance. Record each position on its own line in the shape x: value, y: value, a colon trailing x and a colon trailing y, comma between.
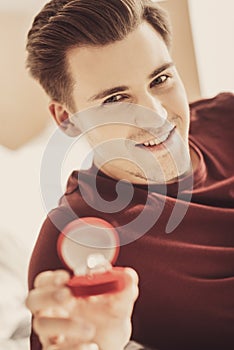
x: 146, y: 139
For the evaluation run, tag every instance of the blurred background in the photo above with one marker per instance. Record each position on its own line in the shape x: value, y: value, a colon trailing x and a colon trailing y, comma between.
x: 203, y: 51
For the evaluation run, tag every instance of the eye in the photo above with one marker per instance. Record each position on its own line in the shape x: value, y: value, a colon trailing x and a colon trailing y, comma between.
x: 114, y: 99
x: 162, y: 79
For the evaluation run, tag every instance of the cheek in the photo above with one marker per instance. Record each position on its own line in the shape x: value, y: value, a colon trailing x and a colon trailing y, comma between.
x: 107, y: 133
x: 176, y: 104
x: 182, y: 100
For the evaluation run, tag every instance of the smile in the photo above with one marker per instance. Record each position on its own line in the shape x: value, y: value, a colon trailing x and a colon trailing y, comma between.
x: 158, y: 140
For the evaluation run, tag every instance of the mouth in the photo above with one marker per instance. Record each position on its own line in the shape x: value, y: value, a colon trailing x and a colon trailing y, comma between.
x: 157, y: 142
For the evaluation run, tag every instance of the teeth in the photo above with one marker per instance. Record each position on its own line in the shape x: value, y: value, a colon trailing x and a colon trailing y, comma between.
x: 156, y: 141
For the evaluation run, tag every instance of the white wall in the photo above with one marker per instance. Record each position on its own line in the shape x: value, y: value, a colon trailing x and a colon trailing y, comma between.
x: 213, y: 32
x: 21, y: 6
x: 183, y: 53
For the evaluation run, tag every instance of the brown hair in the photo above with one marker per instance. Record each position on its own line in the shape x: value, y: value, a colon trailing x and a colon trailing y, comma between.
x: 64, y: 24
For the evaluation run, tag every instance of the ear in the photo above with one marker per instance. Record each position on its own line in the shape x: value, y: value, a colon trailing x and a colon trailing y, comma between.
x: 61, y: 117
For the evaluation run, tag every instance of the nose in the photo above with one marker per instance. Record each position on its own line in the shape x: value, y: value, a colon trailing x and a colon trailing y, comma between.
x: 150, y: 111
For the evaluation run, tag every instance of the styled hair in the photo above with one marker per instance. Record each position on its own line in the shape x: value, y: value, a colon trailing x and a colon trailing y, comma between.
x: 65, y: 24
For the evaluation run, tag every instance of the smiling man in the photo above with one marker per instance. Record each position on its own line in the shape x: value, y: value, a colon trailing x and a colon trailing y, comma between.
x: 159, y: 167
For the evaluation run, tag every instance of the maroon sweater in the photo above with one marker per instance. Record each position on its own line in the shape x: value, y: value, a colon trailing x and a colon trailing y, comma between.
x: 186, y: 297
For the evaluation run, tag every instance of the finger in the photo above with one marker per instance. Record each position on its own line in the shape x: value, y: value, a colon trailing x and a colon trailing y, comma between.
x: 41, y: 299
x: 130, y: 287
x: 132, y: 274
x: 91, y: 346
x: 73, y: 330
x: 132, y: 284
x: 120, y: 303
x: 51, y: 278
x: 132, y: 281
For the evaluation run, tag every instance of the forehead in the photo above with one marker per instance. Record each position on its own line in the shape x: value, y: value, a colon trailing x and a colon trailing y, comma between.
x: 122, y: 63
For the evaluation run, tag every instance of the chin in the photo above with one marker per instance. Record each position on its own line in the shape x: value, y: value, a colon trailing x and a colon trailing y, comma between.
x: 154, y: 176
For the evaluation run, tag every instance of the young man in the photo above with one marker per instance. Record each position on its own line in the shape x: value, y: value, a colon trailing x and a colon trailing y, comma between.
x: 107, y: 68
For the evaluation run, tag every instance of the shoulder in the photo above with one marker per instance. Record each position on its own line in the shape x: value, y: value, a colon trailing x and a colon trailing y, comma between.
x: 211, y: 129
x: 220, y: 106
x: 212, y: 118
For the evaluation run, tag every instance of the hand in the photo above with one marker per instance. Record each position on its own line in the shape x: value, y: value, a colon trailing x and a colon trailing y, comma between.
x: 64, y: 322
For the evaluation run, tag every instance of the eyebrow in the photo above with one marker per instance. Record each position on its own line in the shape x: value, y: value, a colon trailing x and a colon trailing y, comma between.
x: 160, y: 69
x: 108, y: 92
x: 114, y: 90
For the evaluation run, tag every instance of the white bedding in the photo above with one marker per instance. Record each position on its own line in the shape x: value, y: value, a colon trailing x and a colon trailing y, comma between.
x: 14, y: 317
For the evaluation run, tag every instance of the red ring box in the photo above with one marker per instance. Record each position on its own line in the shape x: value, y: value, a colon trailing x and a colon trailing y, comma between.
x: 87, y: 237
